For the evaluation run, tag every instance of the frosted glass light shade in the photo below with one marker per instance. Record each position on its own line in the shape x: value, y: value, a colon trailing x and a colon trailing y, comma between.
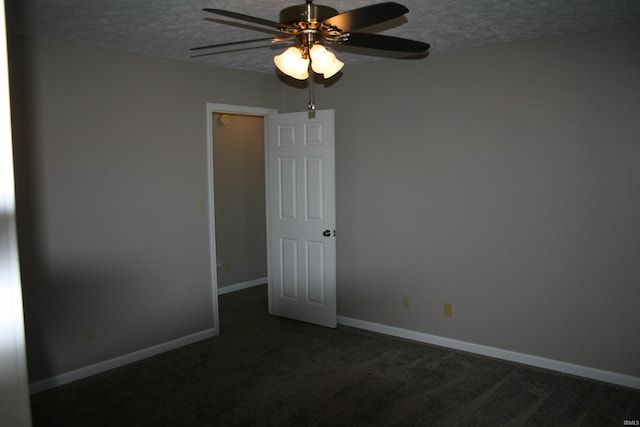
x: 292, y: 63
x: 324, y: 61
x: 331, y: 71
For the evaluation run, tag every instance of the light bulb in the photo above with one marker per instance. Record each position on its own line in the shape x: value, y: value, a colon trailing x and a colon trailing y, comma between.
x: 324, y: 61
x: 292, y: 63
x: 331, y: 71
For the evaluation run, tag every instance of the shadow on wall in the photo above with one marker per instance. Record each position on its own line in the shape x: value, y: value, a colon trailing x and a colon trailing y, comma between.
x: 30, y: 239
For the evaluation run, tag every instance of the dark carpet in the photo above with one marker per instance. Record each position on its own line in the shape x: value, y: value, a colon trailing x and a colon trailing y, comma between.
x: 268, y: 371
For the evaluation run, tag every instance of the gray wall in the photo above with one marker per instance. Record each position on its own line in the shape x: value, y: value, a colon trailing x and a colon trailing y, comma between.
x: 503, y: 180
x: 238, y: 153
x: 111, y: 167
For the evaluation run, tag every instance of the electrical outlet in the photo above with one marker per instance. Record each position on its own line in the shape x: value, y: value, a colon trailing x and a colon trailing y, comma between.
x: 406, y: 302
x: 448, y: 310
x: 87, y: 333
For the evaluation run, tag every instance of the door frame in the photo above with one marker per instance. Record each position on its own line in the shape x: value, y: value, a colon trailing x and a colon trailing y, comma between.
x: 228, y: 109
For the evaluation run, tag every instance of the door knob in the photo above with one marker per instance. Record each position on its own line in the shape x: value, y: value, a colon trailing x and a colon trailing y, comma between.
x: 326, y: 233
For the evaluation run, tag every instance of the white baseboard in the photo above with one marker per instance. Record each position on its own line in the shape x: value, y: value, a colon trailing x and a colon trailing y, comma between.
x: 527, y: 359
x: 119, y: 361
x: 241, y: 286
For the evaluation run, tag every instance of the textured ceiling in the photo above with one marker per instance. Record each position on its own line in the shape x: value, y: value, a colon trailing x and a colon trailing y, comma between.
x: 168, y: 28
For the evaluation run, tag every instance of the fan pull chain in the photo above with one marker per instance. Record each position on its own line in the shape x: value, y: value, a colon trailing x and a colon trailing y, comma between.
x: 312, y: 101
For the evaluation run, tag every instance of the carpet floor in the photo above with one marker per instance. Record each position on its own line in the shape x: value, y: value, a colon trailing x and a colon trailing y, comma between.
x: 268, y: 371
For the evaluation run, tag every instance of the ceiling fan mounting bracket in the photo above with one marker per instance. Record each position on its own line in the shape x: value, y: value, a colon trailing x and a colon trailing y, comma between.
x: 306, y: 13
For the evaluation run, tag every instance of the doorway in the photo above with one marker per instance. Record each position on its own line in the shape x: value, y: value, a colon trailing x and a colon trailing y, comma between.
x: 239, y: 189
x: 236, y: 179
x: 300, y: 193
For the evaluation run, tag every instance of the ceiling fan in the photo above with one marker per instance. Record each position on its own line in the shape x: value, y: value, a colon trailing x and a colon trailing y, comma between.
x: 311, y: 26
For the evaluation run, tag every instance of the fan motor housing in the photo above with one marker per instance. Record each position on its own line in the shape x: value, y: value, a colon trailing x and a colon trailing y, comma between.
x: 295, y: 14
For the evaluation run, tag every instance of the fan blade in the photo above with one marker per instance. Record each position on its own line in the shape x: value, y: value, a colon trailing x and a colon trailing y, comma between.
x: 272, y: 39
x: 252, y: 19
x: 378, y: 41
x: 245, y: 26
x: 225, y: 51
x: 366, y: 16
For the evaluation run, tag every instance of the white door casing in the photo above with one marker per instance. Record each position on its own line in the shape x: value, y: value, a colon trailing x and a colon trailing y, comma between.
x: 300, y: 164
x: 230, y: 109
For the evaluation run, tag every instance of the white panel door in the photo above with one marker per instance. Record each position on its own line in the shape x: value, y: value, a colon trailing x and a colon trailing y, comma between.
x: 301, y: 216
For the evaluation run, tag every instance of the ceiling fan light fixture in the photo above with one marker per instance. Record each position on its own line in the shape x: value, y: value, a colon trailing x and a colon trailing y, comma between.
x: 311, y: 26
x: 324, y: 61
x: 291, y: 63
